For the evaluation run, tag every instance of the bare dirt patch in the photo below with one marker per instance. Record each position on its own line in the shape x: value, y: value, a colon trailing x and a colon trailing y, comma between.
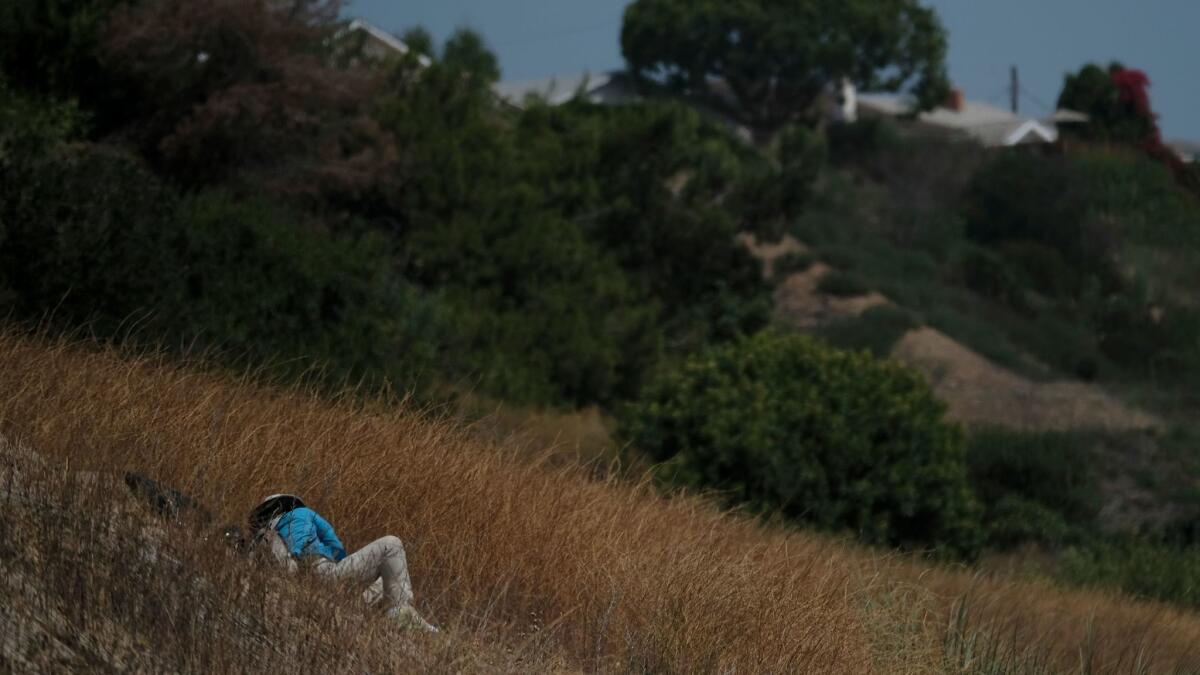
x: 978, y: 392
x: 769, y: 252
x: 797, y: 301
x: 981, y: 393
x: 801, y: 305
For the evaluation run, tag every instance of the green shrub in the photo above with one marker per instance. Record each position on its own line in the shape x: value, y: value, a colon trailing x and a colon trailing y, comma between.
x: 570, y: 268
x: 856, y: 141
x: 50, y: 47
x: 1023, y: 197
x: 1156, y: 339
x: 1033, y: 485
x: 1041, y: 268
x: 261, y: 281
x: 842, y: 285
x: 1112, y: 118
x: 27, y: 129
x: 1012, y: 520
x: 96, y: 240
x: 1138, y: 566
x: 1143, y: 196
x: 88, y: 237
x: 876, y: 330
x: 843, y: 257
x: 792, y: 263
x: 560, y: 323
x: 988, y: 274
x: 837, y: 439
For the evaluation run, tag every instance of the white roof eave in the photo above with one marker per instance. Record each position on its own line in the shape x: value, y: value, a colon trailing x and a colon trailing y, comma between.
x: 388, y: 39
x: 1047, y: 134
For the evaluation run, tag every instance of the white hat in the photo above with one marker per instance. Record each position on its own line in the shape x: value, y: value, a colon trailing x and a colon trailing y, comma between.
x: 273, y: 506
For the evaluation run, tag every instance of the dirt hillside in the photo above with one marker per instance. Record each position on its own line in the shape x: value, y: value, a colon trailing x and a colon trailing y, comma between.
x: 981, y: 393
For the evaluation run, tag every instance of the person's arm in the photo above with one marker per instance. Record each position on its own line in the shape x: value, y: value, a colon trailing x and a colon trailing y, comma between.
x: 328, y: 537
x: 279, y: 550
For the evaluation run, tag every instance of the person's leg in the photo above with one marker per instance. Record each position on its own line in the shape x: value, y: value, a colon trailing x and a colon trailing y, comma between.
x: 383, y: 564
x: 381, y: 559
x: 374, y: 592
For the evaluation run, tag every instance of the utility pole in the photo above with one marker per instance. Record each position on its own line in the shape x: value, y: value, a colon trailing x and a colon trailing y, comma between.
x: 1015, y: 91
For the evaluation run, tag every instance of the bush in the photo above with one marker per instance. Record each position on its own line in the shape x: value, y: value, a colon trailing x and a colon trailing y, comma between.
x: 770, y: 195
x: 988, y: 274
x: 1033, y: 198
x: 261, y: 281
x: 1139, y: 566
x: 49, y: 47
x: 791, y: 263
x: 1033, y: 485
x: 837, y: 439
x: 1115, y: 115
x: 876, y: 330
x: 87, y: 233
x: 855, y: 142
x: 842, y: 285
x: 568, y: 266
x: 96, y: 240
x: 1013, y: 520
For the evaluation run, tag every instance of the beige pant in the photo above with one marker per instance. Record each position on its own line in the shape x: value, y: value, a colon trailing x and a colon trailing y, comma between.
x: 382, y: 564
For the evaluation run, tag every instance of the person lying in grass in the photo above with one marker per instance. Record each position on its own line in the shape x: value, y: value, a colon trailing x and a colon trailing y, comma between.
x: 299, y: 535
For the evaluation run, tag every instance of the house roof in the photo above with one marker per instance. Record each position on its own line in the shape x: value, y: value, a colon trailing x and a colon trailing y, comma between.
x: 1065, y: 116
x: 988, y: 124
x: 1188, y: 151
x: 387, y: 39
x: 557, y: 89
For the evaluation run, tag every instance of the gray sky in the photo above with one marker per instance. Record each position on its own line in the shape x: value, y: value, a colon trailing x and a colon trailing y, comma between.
x: 1044, y: 38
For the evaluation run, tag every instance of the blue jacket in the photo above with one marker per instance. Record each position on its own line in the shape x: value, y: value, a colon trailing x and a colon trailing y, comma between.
x: 306, y: 533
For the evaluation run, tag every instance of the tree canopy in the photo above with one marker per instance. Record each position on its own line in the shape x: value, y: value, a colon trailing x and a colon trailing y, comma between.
x: 1116, y: 101
x: 766, y: 62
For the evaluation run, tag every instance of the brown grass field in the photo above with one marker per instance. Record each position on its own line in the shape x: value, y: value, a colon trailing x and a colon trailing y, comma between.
x: 529, y: 566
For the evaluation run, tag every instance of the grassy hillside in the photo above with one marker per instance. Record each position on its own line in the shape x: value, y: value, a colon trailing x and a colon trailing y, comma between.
x: 1048, y: 293
x: 1076, y: 265
x: 528, y: 567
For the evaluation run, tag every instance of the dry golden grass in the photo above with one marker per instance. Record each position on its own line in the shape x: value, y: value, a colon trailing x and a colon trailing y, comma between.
x: 93, y: 583
x: 608, y: 573
x: 531, y: 567
x: 582, y: 438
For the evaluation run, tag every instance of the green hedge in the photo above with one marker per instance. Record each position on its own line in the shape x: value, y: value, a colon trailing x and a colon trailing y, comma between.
x: 1034, y: 486
x: 782, y: 423
x: 93, y: 239
x: 876, y: 330
x: 1139, y: 566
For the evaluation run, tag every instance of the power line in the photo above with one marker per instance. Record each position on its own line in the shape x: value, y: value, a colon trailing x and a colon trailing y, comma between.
x: 1037, y: 100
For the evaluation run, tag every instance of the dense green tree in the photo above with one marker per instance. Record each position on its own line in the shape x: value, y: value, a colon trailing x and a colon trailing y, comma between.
x: 467, y: 51
x: 420, y: 41
x: 90, y: 237
x: 774, y: 59
x: 1113, y: 118
x: 245, y: 94
x: 573, y: 248
x: 782, y: 423
x: 647, y: 183
x: 50, y: 48
x: 602, y: 234
x: 545, y: 314
x: 1040, y: 211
